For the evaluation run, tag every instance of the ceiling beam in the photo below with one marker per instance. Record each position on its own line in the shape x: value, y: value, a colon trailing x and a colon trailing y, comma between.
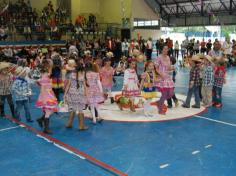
x: 223, y: 4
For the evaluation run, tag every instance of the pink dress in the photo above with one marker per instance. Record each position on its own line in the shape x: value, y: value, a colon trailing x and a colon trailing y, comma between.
x: 131, y: 80
x: 107, y: 77
x: 163, y: 66
x: 94, y: 94
x: 46, y: 99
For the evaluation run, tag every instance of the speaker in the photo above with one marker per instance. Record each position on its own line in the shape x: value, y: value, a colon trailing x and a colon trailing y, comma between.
x: 125, y: 34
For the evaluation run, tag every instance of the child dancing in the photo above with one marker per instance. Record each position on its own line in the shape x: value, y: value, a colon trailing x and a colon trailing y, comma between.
x: 130, y: 84
x: 149, y: 78
x: 46, y: 100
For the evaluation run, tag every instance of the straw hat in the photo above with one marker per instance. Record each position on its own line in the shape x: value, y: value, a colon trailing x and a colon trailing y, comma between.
x: 7, y: 65
x: 110, y: 54
x: 20, y: 71
x: 196, y: 58
x: 209, y: 58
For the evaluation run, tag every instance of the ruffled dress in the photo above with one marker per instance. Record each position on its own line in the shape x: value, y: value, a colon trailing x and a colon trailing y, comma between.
x: 46, y: 99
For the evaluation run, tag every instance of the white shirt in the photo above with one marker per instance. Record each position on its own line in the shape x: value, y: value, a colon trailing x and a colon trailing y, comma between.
x: 227, y: 47
x: 125, y: 46
x: 149, y: 44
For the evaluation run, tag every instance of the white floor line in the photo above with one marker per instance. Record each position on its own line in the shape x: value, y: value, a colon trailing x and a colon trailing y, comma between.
x: 164, y: 166
x: 217, y: 121
x: 195, y: 152
x: 208, y: 146
x: 7, y: 129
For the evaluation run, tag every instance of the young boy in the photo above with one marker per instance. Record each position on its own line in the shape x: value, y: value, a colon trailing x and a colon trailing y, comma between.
x: 21, y: 90
x: 6, y: 80
x: 207, y: 81
x: 194, y: 83
x: 219, y: 81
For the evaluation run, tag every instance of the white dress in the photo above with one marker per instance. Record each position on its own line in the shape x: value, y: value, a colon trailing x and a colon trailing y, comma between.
x: 131, y: 80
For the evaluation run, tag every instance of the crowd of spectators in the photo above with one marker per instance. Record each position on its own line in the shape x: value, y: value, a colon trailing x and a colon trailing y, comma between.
x: 21, y: 18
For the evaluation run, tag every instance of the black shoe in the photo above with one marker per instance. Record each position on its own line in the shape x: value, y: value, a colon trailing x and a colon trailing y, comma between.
x: 169, y: 106
x: 29, y: 120
x: 46, y: 128
x: 195, y: 106
x: 112, y: 100
x: 40, y: 121
x: 185, y: 106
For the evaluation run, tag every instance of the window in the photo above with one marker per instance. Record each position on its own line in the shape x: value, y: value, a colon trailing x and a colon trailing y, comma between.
x: 140, y: 23
x: 155, y: 23
x: 148, y: 23
x: 135, y: 23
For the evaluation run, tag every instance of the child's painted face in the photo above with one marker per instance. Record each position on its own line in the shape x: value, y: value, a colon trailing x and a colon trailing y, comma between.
x: 150, y: 67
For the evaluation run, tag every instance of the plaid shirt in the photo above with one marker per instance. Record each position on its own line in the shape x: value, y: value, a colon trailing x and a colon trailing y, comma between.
x: 219, y: 76
x: 21, y: 89
x: 208, y: 76
x: 195, y: 76
x: 5, y: 85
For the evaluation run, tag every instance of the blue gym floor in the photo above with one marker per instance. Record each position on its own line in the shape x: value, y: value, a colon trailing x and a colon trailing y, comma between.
x: 199, y: 146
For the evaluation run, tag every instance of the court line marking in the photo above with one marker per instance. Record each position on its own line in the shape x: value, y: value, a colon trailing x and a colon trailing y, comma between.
x: 164, y: 166
x: 195, y: 152
x: 217, y: 121
x: 77, y: 152
x: 10, y: 128
x: 208, y: 146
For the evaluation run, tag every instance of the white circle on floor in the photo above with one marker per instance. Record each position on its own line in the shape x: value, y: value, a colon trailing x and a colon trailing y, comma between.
x: 111, y: 112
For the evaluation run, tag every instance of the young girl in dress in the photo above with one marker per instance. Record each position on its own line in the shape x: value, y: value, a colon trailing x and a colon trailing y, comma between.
x: 94, y: 91
x: 106, y: 74
x: 130, y: 84
x: 75, y: 96
x: 46, y: 100
x: 166, y: 84
x: 149, y: 78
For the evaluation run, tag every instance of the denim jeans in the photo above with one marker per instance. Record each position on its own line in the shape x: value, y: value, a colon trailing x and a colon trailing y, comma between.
x: 10, y: 102
x: 217, y: 94
x: 194, y: 90
x: 19, y: 105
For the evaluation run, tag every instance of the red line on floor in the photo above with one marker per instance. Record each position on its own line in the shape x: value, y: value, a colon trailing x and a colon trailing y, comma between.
x: 87, y: 157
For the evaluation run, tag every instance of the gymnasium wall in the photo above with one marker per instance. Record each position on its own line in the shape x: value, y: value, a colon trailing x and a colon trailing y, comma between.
x: 140, y: 9
x: 107, y: 11
x: 146, y: 33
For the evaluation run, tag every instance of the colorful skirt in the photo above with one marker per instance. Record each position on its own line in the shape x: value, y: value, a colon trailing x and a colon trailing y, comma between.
x: 149, y: 93
x: 47, y: 101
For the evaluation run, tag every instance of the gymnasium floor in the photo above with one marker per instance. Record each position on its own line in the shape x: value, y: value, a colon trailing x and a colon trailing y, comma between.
x: 202, y: 145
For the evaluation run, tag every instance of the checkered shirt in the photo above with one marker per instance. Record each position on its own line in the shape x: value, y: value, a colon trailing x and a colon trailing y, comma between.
x: 195, y: 76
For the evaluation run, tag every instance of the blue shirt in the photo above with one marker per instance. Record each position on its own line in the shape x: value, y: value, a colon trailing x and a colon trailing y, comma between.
x: 21, y: 89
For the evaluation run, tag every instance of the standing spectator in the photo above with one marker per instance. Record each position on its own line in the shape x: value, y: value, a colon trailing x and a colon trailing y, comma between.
x: 203, y: 46
x: 125, y: 48
x: 176, y: 47
x: 216, y: 51
x: 196, y: 47
x: 183, y: 50
x: 227, y: 49
x: 208, y: 46
x: 149, y: 49
x: 3, y: 35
